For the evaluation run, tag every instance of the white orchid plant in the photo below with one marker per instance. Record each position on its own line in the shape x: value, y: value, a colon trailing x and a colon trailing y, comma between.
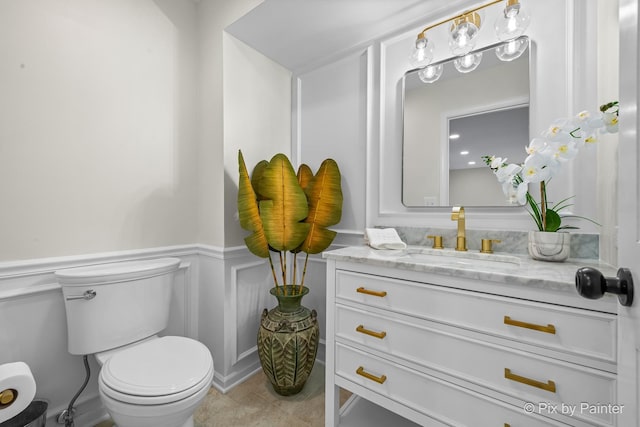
x: 546, y: 155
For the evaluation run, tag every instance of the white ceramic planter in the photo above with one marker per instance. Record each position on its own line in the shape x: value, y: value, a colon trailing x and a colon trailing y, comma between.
x: 548, y: 246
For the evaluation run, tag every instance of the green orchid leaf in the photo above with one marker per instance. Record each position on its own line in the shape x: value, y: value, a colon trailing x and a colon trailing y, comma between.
x: 535, y: 212
x: 582, y: 217
x: 553, y: 220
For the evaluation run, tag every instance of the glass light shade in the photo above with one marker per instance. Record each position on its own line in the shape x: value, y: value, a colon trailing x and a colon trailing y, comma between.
x: 512, y: 22
x: 431, y: 73
x: 422, y: 54
x: 463, y: 32
x: 512, y: 49
x: 468, y: 63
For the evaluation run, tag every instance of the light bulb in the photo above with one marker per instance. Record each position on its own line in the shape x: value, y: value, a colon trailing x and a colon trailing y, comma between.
x: 467, y: 63
x: 431, y: 73
x: 422, y: 54
x: 512, y: 22
x: 512, y: 49
x: 463, y: 32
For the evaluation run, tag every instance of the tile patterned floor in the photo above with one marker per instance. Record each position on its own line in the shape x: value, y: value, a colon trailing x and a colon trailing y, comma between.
x: 254, y: 404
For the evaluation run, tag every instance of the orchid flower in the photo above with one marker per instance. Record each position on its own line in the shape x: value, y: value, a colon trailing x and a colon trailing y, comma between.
x: 505, y: 173
x: 558, y: 145
x: 535, y: 168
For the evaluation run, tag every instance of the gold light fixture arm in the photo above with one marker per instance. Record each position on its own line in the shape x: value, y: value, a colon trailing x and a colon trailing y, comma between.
x: 421, y: 34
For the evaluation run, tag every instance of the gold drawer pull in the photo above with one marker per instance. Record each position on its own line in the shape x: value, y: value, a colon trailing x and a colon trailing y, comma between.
x: 362, y: 290
x: 549, y: 329
x: 363, y: 330
x: 548, y: 386
x: 380, y: 380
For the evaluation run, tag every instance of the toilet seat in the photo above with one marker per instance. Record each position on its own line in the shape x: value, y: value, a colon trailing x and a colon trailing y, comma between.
x: 158, y: 371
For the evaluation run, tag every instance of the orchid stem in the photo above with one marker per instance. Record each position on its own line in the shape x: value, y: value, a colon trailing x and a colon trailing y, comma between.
x: 543, y: 205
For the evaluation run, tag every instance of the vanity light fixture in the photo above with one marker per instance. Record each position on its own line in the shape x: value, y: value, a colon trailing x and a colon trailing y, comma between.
x: 430, y: 73
x: 463, y: 32
x: 467, y: 63
x: 423, y: 53
x: 513, y: 21
x: 511, y: 24
x: 512, y: 49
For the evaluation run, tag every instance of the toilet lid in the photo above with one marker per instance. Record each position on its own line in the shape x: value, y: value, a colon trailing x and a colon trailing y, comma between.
x: 157, y: 371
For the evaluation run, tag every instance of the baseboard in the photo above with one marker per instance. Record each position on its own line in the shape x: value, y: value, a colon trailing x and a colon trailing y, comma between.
x: 87, y: 413
x: 225, y: 383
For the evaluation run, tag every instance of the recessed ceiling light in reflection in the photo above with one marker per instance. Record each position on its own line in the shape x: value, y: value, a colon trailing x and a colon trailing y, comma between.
x: 454, y: 136
x: 471, y: 163
x: 464, y: 153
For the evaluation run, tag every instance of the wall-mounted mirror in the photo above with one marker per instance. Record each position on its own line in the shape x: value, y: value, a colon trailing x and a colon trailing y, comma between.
x: 451, y: 123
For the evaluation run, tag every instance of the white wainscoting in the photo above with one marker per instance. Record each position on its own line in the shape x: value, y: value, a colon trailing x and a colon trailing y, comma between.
x: 231, y: 308
x: 34, y: 323
x: 218, y: 298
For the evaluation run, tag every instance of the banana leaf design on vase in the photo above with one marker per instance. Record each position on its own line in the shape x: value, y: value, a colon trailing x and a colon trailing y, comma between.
x: 288, y: 213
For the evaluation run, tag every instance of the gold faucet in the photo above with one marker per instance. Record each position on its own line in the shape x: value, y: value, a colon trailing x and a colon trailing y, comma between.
x: 457, y: 214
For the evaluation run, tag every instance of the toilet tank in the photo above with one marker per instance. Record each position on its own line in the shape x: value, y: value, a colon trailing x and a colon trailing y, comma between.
x: 111, y: 305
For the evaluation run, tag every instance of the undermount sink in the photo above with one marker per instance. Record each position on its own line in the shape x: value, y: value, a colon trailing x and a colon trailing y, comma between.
x: 459, y: 258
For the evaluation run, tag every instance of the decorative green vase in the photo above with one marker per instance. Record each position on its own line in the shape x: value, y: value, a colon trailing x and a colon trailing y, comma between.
x: 288, y: 341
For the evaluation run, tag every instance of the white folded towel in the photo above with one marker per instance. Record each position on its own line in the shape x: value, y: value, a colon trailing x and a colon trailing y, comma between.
x: 383, y: 238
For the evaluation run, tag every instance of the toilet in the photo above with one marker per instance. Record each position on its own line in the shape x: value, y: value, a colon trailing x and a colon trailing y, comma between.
x: 115, y: 312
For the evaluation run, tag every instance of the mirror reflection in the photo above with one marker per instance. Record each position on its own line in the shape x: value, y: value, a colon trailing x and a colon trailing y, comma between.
x: 451, y: 123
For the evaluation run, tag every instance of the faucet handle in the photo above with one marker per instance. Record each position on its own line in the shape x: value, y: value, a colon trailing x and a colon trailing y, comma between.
x: 437, y: 242
x: 486, y: 245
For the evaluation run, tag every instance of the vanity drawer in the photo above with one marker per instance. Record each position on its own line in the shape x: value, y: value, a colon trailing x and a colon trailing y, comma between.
x: 429, y: 395
x: 519, y: 374
x: 582, y: 333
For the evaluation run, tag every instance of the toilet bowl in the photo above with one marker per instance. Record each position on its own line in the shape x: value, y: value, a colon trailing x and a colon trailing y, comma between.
x: 157, y: 383
x: 116, y: 311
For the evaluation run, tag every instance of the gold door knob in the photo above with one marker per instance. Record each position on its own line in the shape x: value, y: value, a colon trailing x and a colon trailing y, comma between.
x: 486, y: 245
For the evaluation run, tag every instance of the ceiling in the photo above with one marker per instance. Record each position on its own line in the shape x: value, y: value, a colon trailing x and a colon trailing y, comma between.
x: 503, y: 133
x: 299, y: 33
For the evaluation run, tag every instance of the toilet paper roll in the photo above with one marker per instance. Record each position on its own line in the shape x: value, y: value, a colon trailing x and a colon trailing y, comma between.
x: 17, y: 389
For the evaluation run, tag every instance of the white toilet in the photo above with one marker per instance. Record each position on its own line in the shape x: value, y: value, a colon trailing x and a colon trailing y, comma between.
x: 114, y: 311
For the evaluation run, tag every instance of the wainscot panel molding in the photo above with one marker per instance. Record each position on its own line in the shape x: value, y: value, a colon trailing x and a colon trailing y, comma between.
x: 32, y: 300
x: 230, y: 310
x: 330, y: 118
x: 219, y: 295
x: 232, y: 283
x: 556, y: 92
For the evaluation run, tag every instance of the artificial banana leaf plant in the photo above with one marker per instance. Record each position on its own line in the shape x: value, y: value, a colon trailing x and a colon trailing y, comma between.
x: 288, y: 212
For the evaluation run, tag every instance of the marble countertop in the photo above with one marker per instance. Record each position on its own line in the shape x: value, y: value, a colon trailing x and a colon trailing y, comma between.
x: 496, y: 267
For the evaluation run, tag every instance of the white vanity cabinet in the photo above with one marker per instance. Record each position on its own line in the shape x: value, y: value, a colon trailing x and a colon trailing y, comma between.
x: 466, y: 347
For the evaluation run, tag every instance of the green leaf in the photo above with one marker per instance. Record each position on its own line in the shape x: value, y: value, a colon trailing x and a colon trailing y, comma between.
x: 256, y: 176
x: 535, y: 211
x: 249, y: 214
x: 553, y: 220
x: 285, y: 205
x: 325, y: 207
